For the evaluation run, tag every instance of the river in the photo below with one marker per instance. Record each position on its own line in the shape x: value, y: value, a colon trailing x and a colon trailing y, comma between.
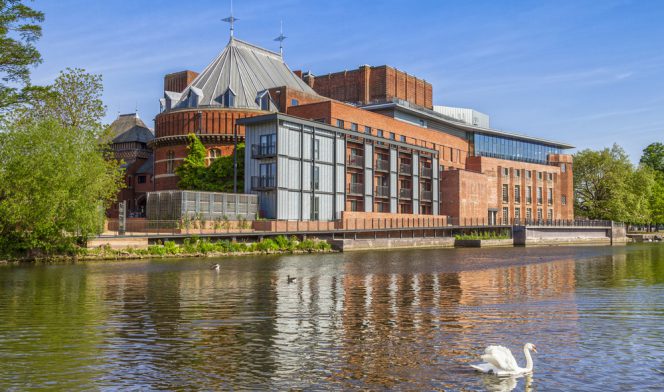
x: 397, y: 320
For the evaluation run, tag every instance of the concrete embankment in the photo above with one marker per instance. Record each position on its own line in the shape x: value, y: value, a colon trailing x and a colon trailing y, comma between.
x: 346, y: 245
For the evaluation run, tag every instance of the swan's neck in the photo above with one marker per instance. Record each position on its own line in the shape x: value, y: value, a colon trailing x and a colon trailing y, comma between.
x: 529, y: 360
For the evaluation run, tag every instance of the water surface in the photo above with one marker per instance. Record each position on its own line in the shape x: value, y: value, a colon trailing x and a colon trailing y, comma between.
x: 407, y: 320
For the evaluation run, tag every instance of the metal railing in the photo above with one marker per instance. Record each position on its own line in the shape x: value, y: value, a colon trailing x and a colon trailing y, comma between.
x: 263, y: 150
x: 426, y: 172
x: 426, y: 195
x: 221, y: 227
x: 382, y: 164
x: 382, y: 191
x: 405, y: 168
x: 405, y: 193
x: 356, y: 188
x: 356, y: 161
x: 262, y: 183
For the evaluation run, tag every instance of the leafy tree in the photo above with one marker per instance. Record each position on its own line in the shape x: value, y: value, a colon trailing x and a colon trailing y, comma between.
x: 220, y: 173
x: 653, y: 156
x: 192, y: 171
x: 74, y: 100
x: 602, y: 184
x: 657, y: 201
x: 55, y: 183
x: 19, y: 29
x: 195, y: 175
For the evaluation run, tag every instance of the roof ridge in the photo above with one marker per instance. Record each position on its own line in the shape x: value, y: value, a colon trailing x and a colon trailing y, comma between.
x: 267, y: 51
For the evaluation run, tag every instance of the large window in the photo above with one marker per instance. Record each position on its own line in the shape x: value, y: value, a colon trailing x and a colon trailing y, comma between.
x: 316, y: 149
x: 505, y: 194
x: 170, y: 160
x: 549, y: 197
x: 529, y: 194
x: 539, y: 195
x: 315, y: 208
x: 517, y: 193
x: 213, y: 154
x: 506, y: 215
x: 513, y: 149
x: 315, y: 184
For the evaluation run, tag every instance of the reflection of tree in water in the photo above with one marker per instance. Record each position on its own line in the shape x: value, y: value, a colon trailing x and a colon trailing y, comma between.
x: 642, y: 264
x: 48, y: 338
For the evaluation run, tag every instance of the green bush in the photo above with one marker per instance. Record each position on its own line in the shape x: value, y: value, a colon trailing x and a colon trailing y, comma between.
x: 485, y: 235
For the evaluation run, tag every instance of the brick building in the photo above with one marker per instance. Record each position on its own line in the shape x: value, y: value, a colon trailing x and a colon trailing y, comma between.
x: 130, y: 145
x: 392, y: 152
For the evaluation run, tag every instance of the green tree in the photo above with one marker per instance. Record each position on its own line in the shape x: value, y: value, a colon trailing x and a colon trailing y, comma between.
x: 601, y: 184
x: 74, y: 100
x: 653, y: 156
x: 192, y: 171
x: 19, y: 29
x: 220, y: 173
x: 55, y: 183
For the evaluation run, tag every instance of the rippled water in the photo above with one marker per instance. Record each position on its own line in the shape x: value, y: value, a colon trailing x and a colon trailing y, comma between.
x: 407, y: 320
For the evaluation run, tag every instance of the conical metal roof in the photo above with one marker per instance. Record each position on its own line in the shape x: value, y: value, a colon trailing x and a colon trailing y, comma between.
x: 245, y: 70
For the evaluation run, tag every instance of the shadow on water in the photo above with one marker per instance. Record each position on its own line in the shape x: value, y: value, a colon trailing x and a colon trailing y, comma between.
x: 374, y: 320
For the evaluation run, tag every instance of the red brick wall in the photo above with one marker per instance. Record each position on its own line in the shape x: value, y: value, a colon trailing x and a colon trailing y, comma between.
x: 562, y: 185
x: 464, y: 195
x: 179, y: 81
x: 212, y: 121
x: 367, y: 84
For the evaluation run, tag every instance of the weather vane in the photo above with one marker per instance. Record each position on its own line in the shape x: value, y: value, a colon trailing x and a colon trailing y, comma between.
x: 231, y: 19
x: 281, y: 38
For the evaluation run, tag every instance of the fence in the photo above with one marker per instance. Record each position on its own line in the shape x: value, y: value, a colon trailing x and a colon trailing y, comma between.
x: 143, y: 227
x: 188, y: 205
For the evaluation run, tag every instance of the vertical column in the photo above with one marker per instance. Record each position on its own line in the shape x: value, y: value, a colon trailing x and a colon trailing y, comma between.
x: 416, y: 183
x: 435, y: 185
x: 368, y: 177
x: 394, y: 186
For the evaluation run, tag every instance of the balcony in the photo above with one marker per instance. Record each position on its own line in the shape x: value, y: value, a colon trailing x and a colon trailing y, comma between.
x: 406, y: 168
x: 259, y: 151
x: 426, y: 172
x: 426, y: 195
x: 262, y: 183
x: 355, y: 188
x: 382, y: 191
x: 405, y: 193
x: 382, y: 165
x: 355, y: 161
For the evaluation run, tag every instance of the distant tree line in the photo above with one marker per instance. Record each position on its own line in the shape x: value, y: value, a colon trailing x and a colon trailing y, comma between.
x: 608, y: 186
x: 57, y: 176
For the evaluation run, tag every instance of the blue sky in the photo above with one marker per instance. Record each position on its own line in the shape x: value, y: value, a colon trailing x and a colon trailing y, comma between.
x: 590, y: 73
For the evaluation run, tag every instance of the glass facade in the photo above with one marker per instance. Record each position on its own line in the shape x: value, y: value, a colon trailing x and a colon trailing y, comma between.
x: 512, y: 149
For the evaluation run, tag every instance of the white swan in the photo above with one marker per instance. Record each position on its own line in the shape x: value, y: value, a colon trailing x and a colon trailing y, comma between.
x: 500, y: 361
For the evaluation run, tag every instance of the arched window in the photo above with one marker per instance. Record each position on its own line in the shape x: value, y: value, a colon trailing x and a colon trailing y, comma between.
x: 229, y: 98
x: 170, y: 159
x: 213, y: 154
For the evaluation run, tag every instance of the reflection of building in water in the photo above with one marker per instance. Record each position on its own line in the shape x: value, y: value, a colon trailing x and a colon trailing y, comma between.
x: 531, y: 281
x: 392, y: 325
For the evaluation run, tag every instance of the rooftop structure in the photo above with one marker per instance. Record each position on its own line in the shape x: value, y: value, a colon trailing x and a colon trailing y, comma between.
x: 238, y: 77
x: 468, y: 116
